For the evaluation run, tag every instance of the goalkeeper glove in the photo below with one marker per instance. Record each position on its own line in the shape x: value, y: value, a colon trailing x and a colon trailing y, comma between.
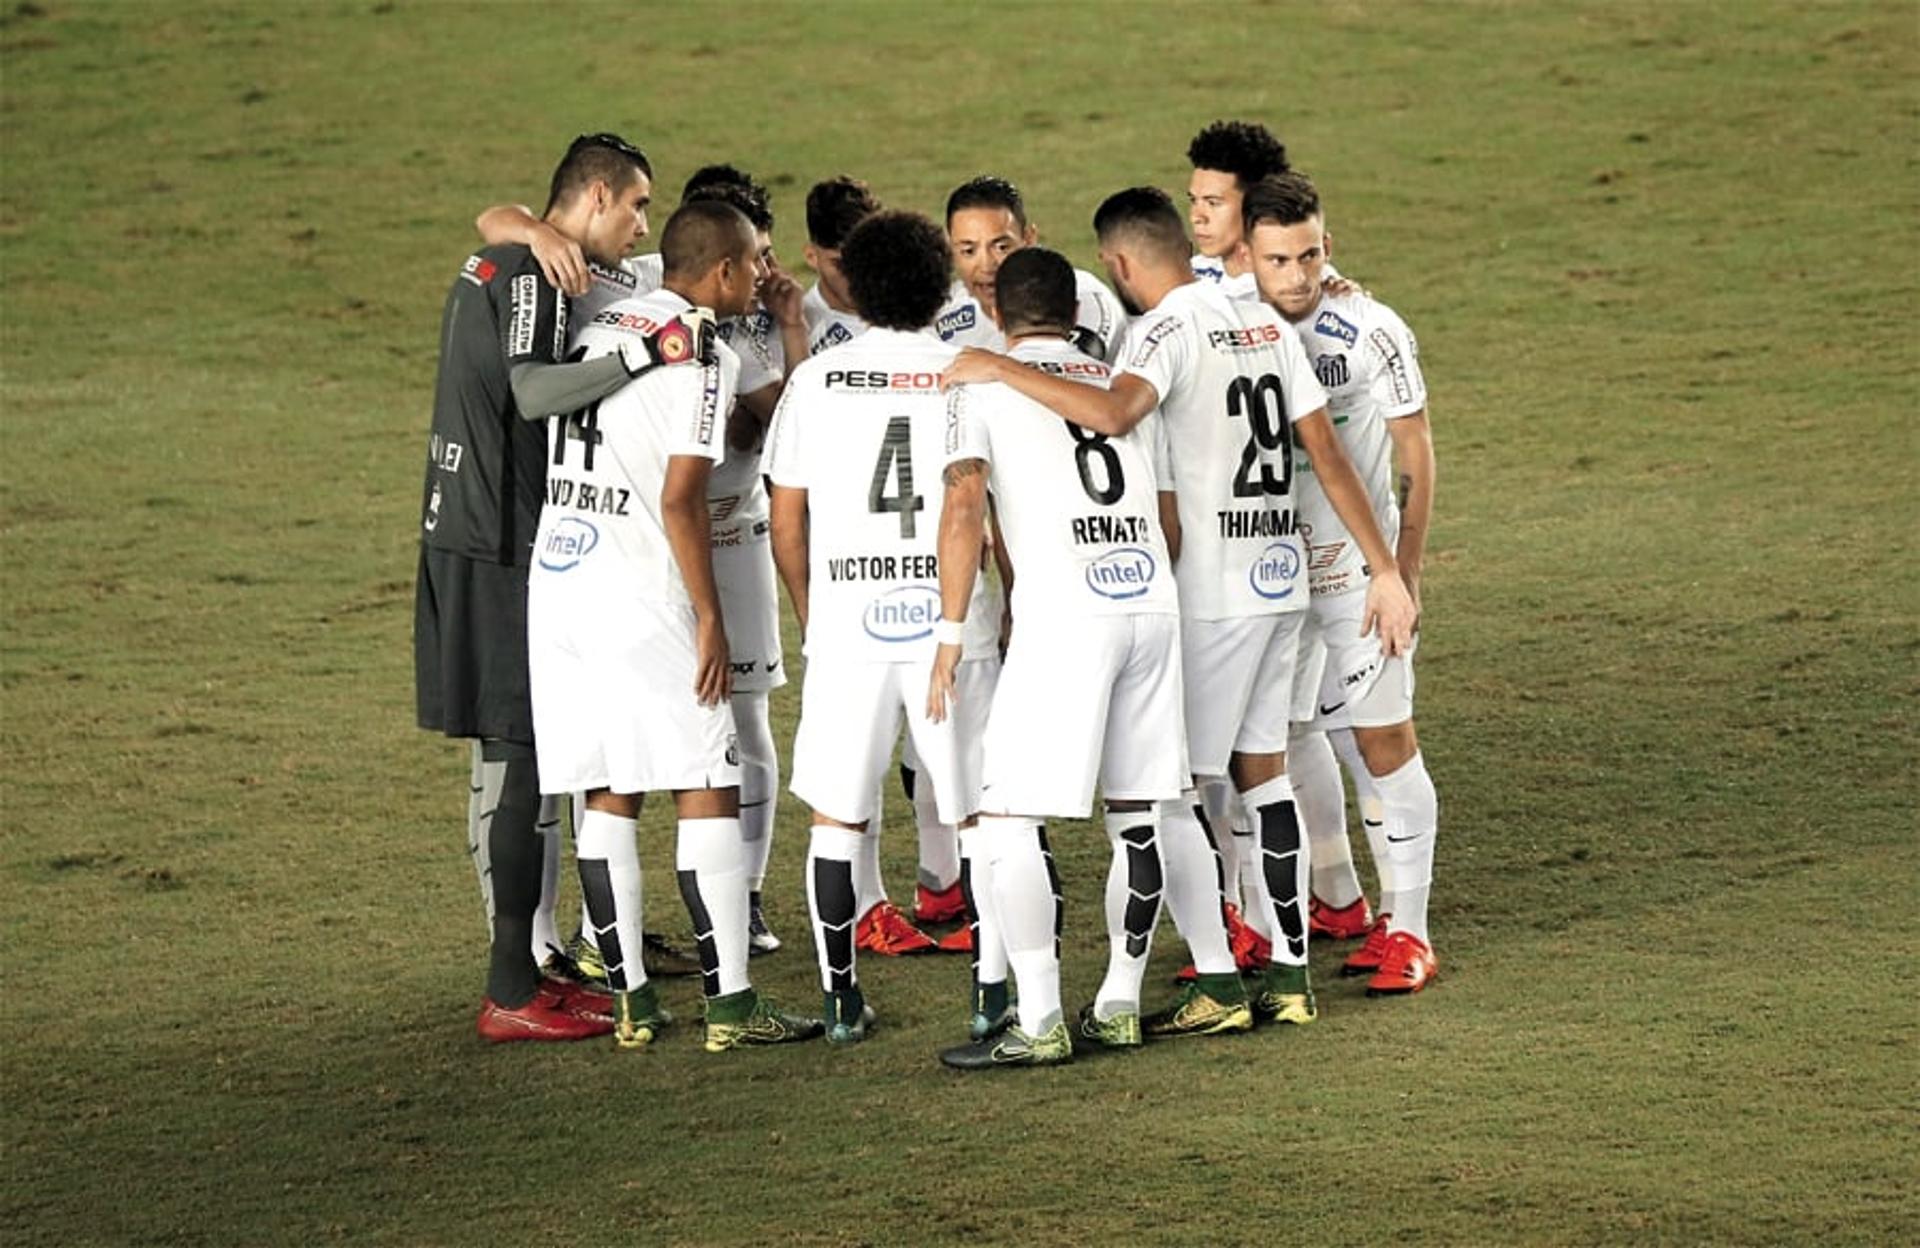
x: 686, y: 339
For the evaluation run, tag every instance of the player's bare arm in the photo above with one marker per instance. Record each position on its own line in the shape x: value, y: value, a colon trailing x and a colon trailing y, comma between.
x: 1113, y: 412
x: 561, y: 259
x: 787, y: 520
x: 784, y: 298
x: 683, y: 511
x: 1003, y: 563
x: 1389, y: 607
x: 1413, y: 451
x: 963, y: 526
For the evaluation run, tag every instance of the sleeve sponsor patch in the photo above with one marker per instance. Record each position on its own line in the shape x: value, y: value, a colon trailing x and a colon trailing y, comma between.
x: 958, y: 321
x: 1399, y: 383
x: 479, y: 270
x: 526, y: 314
x: 705, y: 418
x: 1150, y: 341
x: 1333, y: 325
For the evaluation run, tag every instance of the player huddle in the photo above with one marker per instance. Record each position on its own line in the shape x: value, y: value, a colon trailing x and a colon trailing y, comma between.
x: 1147, y: 546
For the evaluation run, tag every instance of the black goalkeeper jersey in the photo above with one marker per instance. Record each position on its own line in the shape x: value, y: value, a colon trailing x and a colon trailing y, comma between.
x: 486, y: 467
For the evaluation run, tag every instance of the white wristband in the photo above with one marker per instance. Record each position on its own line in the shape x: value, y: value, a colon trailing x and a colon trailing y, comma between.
x: 949, y: 632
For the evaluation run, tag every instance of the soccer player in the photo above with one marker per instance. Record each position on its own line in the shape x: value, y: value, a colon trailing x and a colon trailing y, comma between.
x: 1227, y: 158
x: 503, y: 335
x: 986, y: 223
x: 1229, y: 378
x: 1369, y: 362
x: 627, y: 638
x: 834, y: 207
x: 1090, y: 691
x: 855, y: 438
x: 762, y: 338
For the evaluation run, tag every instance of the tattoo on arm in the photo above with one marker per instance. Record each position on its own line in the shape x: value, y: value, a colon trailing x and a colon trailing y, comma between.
x: 1406, y: 487
x: 960, y: 469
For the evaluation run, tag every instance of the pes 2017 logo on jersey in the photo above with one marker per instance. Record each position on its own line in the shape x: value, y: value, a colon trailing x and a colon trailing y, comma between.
x: 1121, y: 574
x: 903, y: 614
x: 1274, y: 571
x: 958, y: 321
x: 1333, y: 325
x: 571, y: 540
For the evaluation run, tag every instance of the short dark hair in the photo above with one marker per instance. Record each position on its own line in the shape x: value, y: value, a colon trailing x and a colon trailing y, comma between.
x: 1035, y: 289
x: 732, y: 186
x: 987, y: 191
x: 898, y: 269
x: 700, y: 235
x: 1142, y: 215
x: 1245, y: 149
x: 834, y: 207
x: 1284, y: 199
x: 595, y: 158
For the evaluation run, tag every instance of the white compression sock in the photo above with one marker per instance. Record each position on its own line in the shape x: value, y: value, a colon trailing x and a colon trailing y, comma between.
x: 1412, y: 820
x: 939, y: 843
x: 1027, y: 902
x: 989, y: 944
x: 579, y: 811
x: 1321, y: 800
x: 546, y: 936
x: 483, y: 795
x: 1283, y: 860
x: 759, y: 782
x: 609, y: 861
x: 1217, y: 796
x: 713, y: 883
x: 1134, y: 883
x: 1256, y: 909
x: 1193, y: 884
x: 868, y: 889
x: 1366, y: 797
x: 831, y: 853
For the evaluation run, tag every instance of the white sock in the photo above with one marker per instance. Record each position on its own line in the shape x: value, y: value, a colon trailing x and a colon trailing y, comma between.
x: 831, y: 854
x: 579, y: 813
x: 1193, y: 884
x: 483, y: 794
x: 1135, y: 880
x: 939, y: 842
x: 1283, y: 860
x: 759, y: 782
x: 546, y: 936
x: 609, y: 861
x: 1217, y: 796
x: 989, y: 943
x: 1256, y: 907
x: 868, y: 889
x: 1366, y: 797
x: 1412, y: 811
x: 1027, y: 903
x: 713, y: 883
x: 1321, y: 801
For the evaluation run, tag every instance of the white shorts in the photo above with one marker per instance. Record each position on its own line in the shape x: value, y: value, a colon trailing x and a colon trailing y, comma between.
x: 1085, y: 701
x: 1308, y: 670
x: 613, y: 702
x: 1239, y: 677
x: 1360, y: 687
x: 850, y: 715
x: 751, y: 607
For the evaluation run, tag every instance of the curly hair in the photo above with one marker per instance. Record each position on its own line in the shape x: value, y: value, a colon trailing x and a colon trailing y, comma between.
x: 898, y: 269
x: 1245, y: 149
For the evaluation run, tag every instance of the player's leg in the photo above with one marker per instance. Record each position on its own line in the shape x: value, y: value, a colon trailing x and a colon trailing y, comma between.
x: 608, y: 855
x: 1026, y: 901
x: 549, y: 951
x: 1338, y: 907
x: 483, y: 798
x: 937, y: 896
x: 992, y: 1002
x: 759, y: 792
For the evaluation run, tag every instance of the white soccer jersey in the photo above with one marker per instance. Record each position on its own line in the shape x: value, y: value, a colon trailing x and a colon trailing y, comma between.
x: 1231, y: 378
x: 755, y: 338
x: 1213, y: 269
x: 861, y: 428
x: 827, y: 326
x: 601, y: 530
x: 1099, y: 321
x: 1369, y: 363
x: 1079, y: 511
x: 633, y: 277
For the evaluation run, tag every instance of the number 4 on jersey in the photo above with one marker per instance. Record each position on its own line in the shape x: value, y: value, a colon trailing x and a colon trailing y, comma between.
x: 896, y: 461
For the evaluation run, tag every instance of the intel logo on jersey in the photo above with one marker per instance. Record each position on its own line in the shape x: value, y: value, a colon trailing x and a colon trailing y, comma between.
x: 1333, y: 325
x: 570, y: 542
x: 1273, y: 574
x: 1123, y: 573
x: 957, y: 321
x: 904, y: 614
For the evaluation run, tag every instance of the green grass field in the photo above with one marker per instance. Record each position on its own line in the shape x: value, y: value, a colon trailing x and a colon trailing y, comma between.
x: 1661, y: 261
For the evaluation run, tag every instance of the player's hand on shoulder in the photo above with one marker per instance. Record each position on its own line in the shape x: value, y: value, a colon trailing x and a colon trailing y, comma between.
x: 971, y: 365
x: 561, y: 260
x: 1339, y: 287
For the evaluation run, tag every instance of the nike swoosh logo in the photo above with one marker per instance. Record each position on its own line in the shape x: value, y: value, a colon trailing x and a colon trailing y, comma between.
x: 1328, y: 710
x: 1401, y: 840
